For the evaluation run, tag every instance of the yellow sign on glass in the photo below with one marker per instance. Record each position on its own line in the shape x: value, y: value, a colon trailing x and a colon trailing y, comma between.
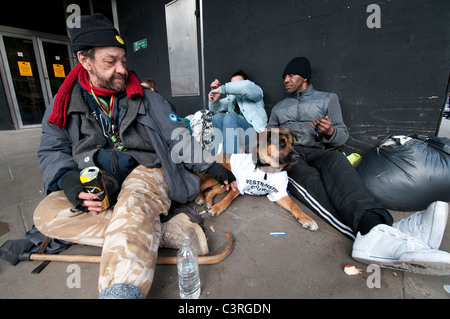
x: 59, y: 70
x: 25, y: 68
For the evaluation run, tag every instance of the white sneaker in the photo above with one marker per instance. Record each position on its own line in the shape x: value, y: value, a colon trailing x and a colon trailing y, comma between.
x: 428, y: 225
x: 390, y: 248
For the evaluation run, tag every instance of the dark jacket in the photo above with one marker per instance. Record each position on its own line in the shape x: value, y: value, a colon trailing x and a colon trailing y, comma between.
x: 151, y: 134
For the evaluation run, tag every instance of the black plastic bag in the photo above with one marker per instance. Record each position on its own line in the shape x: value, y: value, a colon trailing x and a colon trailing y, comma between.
x: 407, y: 174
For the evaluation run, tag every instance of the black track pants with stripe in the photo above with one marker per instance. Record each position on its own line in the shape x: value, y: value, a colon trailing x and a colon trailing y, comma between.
x: 327, y: 183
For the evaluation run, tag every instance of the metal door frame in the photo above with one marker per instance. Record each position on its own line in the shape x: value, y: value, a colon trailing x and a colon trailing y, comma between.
x: 5, y: 72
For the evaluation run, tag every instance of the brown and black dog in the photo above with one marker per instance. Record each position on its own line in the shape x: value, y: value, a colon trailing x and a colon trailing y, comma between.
x: 274, y: 153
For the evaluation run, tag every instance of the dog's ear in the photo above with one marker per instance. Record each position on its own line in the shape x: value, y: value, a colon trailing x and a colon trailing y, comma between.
x: 294, y: 135
x: 263, y: 142
x: 289, y: 132
x: 269, y: 137
x: 263, y: 138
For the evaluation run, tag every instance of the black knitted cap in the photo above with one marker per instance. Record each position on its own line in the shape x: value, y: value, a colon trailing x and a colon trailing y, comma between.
x: 299, y: 66
x: 95, y: 30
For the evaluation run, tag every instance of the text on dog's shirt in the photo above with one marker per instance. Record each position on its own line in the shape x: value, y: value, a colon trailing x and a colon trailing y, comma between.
x: 251, y: 181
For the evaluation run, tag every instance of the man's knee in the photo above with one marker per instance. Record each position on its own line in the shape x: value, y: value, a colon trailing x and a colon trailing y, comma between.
x: 217, y: 120
x: 148, y: 184
x: 49, y: 208
x: 229, y: 121
x: 146, y: 178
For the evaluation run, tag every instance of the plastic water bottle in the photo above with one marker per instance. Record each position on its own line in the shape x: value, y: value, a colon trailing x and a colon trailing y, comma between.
x: 188, y: 273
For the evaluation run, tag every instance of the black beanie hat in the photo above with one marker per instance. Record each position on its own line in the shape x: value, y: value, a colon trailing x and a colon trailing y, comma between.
x: 95, y: 30
x: 299, y: 66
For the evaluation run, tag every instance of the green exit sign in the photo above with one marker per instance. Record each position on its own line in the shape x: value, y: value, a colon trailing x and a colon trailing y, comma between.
x: 141, y: 44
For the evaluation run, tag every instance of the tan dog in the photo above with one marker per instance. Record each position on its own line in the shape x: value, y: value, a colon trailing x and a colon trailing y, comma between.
x: 260, y: 173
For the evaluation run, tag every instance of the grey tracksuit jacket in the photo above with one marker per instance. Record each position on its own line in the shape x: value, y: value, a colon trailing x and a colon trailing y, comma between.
x: 299, y: 110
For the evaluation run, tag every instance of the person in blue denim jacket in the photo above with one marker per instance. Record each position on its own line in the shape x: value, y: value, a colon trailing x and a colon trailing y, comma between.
x: 239, y: 113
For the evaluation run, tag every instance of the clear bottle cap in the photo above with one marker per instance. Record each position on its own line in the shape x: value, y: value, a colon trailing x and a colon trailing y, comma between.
x: 185, y: 241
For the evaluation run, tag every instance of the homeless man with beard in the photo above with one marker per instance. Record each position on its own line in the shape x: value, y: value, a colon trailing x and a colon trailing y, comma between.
x: 102, y: 116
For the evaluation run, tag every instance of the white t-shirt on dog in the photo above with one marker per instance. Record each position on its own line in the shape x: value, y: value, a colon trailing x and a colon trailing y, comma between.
x: 251, y: 181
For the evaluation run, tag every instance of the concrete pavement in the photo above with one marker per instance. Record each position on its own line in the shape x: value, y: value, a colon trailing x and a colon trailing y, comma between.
x: 300, y: 264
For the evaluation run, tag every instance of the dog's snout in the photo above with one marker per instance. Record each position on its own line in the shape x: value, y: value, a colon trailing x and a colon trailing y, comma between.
x: 295, y: 157
x: 291, y: 158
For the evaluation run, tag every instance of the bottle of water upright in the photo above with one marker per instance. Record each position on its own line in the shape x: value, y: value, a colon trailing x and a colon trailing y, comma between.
x: 188, y: 274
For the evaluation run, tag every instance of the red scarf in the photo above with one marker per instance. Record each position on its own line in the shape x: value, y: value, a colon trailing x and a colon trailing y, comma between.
x: 62, y: 99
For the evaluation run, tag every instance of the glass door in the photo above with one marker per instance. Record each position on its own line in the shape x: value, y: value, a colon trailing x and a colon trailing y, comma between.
x: 56, y: 62
x: 34, y: 68
x: 25, y: 77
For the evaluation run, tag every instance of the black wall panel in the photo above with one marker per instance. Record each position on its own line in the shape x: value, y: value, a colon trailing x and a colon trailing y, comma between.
x: 142, y: 19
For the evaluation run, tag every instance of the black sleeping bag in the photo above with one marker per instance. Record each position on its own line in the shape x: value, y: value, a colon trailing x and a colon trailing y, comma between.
x: 408, y: 173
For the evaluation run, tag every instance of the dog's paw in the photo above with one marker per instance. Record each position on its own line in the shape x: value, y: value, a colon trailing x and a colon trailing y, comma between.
x: 210, y: 213
x: 309, y: 225
x: 214, y: 211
